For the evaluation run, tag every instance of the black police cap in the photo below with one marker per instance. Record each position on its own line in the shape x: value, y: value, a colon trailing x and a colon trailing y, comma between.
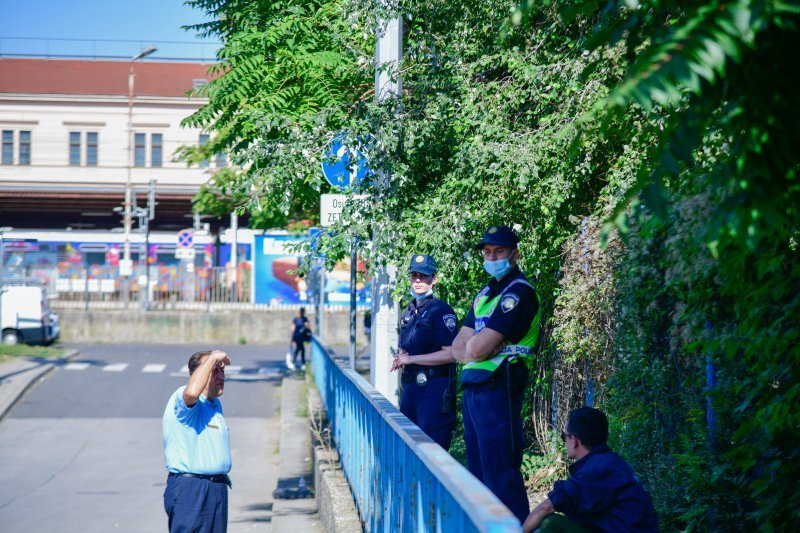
x: 422, y: 263
x: 499, y: 236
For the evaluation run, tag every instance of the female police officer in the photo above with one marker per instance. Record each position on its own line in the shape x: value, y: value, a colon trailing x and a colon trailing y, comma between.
x: 427, y: 330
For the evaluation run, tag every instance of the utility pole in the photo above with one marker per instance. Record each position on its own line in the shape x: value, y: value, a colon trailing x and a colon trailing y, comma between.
x: 388, y: 56
x: 126, y: 264
x: 235, y: 254
x: 150, y: 215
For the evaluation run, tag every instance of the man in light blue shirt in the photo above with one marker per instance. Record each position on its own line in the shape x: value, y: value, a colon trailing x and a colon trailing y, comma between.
x: 197, y: 448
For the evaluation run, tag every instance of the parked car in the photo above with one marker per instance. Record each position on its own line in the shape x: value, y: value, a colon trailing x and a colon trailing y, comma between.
x: 27, y: 317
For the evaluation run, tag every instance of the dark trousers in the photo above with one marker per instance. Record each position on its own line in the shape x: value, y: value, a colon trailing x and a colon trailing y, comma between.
x: 488, y: 426
x: 299, y: 349
x: 196, y: 505
x: 425, y: 406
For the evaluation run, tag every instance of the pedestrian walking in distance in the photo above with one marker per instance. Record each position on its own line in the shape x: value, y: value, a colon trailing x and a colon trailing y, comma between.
x: 301, y: 334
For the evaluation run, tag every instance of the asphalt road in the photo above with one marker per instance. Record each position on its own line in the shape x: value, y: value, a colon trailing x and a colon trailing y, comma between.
x: 82, y: 449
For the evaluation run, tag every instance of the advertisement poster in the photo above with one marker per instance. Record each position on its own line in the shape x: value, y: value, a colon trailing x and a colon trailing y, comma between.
x: 272, y: 263
x: 276, y: 284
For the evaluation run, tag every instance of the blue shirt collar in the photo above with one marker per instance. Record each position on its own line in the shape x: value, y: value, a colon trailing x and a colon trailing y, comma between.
x: 596, y: 450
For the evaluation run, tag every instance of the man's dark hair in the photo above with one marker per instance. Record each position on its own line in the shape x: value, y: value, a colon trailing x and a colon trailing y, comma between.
x: 302, y: 311
x: 196, y: 359
x: 588, y: 424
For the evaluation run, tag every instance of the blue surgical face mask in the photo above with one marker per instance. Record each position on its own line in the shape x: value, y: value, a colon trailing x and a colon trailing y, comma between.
x: 420, y: 296
x: 497, y: 269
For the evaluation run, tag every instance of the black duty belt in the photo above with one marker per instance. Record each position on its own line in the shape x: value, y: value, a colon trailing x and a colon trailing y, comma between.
x: 215, y: 478
x: 412, y: 373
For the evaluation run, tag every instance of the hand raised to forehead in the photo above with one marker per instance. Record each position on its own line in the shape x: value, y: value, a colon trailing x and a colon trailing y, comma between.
x: 220, y: 357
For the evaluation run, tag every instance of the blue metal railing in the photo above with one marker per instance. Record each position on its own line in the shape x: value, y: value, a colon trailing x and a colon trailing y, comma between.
x: 401, y: 480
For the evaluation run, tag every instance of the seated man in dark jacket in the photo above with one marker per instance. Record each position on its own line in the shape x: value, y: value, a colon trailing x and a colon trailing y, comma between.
x: 602, y: 492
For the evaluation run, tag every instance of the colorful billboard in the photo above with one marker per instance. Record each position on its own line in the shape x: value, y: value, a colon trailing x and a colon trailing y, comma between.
x: 275, y: 282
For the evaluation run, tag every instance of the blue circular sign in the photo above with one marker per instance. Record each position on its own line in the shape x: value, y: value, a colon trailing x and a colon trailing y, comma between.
x: 344, y: 165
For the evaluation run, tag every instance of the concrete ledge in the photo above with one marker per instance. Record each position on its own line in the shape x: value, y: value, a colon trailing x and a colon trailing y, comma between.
x: 334, y: 499
x: 335, y: 504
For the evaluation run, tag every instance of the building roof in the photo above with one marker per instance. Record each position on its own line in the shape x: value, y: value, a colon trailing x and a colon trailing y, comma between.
x: 95, y: 77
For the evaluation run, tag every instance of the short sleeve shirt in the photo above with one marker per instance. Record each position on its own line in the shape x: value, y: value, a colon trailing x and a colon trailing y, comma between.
x: 300, y: 324
x: 196, y: 438
x: 427, y: 326
x: 516, y: 310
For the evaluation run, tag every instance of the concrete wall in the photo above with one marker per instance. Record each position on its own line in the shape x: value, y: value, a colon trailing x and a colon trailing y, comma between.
x: 181, y: 327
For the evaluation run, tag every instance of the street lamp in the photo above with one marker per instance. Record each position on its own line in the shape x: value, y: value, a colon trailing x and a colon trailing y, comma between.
x: 126, y: 265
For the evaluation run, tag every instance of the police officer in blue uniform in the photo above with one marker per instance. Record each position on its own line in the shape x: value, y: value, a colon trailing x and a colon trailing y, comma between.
x: 427, y: 330
x: 496, y: 344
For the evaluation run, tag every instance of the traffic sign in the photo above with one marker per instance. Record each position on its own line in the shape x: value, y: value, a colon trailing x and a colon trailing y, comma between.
x: 332, y: 205
x: 185, y: 238
x: 185, y: 253
x: 125, y: 267
x: 344, y: 165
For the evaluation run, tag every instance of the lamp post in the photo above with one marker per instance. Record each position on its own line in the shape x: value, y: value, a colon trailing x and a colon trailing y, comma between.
x: 126, y: 266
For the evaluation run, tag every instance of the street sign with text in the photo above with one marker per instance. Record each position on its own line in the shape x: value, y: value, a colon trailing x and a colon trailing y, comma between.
x: 332, y: 205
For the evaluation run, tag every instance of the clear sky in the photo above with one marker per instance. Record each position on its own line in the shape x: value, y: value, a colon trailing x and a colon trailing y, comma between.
x: 100, y: 28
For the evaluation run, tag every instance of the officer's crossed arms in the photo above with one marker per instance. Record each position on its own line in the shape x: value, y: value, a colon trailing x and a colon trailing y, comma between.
x: 471, y: 347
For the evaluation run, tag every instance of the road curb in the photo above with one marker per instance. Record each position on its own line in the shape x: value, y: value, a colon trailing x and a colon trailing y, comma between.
x: 19, y: 375
x: 335, y: 503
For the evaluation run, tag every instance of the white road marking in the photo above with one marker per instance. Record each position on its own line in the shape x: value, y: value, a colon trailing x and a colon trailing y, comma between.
x: 115, y: 367
x: 76, y: 366
x: 182, y: 373
x: 154, y: 368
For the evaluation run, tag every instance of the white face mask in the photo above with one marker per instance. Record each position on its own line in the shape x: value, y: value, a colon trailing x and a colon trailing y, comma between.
x: 497, y: 269
x: 420, y: 296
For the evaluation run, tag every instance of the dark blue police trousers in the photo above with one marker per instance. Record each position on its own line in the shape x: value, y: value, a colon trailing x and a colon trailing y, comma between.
x: 487, y: 436
x: 196, y: 505
x: 423, y: 405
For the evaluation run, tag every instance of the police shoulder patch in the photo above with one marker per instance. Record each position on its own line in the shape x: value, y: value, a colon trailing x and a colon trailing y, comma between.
x: 450, y: 321
x: 509, y: 302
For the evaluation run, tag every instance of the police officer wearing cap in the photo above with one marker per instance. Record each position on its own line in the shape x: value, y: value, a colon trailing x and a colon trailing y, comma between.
x: 427, y: 330
x: 496, y: 344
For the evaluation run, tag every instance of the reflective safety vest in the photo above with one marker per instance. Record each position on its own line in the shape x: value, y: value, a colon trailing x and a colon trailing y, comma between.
x: 483, y: 307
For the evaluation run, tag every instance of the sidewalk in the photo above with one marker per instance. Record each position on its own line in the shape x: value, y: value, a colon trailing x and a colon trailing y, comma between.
x: 20, y: 373
x: 294, y: 507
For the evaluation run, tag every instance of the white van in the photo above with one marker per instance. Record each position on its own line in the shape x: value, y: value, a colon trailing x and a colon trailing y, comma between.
x: 26, y: 316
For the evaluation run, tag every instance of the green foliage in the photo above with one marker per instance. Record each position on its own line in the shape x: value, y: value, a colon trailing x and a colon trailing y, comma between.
x: 284, y: 82
x: 673, y: 123
x: 9, y: 351
x: 541, y: 470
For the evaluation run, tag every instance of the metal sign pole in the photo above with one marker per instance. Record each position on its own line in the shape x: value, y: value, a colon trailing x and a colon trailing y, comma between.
x: 353, y: 265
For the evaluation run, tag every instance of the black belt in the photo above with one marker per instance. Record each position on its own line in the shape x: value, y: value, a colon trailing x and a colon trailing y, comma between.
x: 215, y: 478
x: 411, y: 372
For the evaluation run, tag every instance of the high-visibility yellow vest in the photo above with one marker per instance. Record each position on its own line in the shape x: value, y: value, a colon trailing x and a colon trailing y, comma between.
x: 484, y: 307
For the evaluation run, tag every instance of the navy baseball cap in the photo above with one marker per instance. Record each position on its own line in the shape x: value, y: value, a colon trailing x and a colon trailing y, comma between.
x: 499, y: 236
x: 422, y: 263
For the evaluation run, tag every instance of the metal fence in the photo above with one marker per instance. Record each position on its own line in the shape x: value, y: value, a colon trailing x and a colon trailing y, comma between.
x: 401, y: 480
x: 169, y: 286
